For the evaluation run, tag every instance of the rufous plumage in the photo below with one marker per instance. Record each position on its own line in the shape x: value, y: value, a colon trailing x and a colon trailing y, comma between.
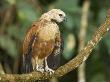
x: 42, y: 43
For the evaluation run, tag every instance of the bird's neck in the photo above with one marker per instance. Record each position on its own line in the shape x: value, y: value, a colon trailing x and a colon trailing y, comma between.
x: 49, y: 31
x: 46, y: 16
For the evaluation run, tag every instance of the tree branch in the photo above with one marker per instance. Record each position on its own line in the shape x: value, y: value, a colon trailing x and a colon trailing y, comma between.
x: 72, y: 64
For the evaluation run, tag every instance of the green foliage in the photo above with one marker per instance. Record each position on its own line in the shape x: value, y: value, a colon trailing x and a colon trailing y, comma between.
x: 70, y: 5
x: 26, y: 12
x: 98, y: 78
x: 11, y: 1
x: 9, y: 45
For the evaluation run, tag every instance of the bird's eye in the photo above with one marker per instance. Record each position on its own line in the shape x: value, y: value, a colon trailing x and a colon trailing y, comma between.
x: 60, y: 15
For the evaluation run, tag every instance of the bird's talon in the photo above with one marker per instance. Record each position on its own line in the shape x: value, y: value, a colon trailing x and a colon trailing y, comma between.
x: 40, y: 69
x: 49, y: 70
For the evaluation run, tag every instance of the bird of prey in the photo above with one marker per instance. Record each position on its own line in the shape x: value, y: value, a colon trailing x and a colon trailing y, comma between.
x: 43, y: 44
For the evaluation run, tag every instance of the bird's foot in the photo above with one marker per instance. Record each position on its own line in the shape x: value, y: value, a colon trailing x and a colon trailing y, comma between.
x: 41, y: 69
x: 47, y: 69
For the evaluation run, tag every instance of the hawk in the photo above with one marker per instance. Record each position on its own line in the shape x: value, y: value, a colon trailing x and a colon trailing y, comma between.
x: 43, y: 44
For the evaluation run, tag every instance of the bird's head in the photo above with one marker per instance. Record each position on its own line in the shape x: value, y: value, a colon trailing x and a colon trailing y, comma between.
x: 56, y: 15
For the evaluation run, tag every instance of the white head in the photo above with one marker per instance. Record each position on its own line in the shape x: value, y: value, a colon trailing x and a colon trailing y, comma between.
x: 56, y: 15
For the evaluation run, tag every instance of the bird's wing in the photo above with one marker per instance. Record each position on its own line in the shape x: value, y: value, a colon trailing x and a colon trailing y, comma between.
x: 28, y: 43
x: 29, y: 38
x: 53, y: 60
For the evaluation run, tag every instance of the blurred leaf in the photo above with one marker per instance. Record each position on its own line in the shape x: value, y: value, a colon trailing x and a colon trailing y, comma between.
x: 102, y: 15
x: 17, y: 32
x: 26, y: 12
x: 13, y: 31
x: 46, y: 2
x: 70, y: 5
x: 98, y: 78
x: 9, y: 45
x: 11, y: 1
x: 69, y: 46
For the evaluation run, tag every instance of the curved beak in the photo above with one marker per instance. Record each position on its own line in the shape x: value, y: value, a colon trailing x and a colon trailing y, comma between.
x: 65, y: 19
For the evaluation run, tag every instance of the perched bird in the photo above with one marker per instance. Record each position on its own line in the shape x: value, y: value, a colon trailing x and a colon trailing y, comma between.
x: 43, y: 44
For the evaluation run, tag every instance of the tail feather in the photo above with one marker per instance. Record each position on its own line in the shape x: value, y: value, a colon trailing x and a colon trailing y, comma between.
x: 26, y: 64
x: 26, y: 58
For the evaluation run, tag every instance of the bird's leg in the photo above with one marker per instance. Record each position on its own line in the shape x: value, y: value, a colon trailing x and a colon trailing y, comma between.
x: 39, y: 66
x: 33, y: 63
x: 47, y: 69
